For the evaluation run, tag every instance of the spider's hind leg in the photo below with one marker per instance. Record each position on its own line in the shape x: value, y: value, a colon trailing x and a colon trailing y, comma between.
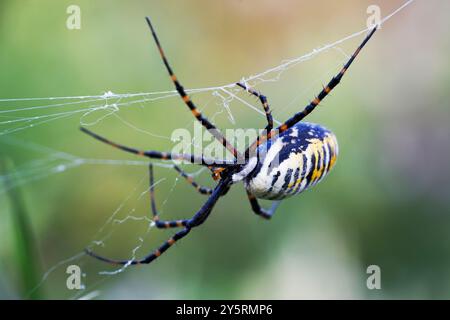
x: 266, y: 214
x: 326, y: 90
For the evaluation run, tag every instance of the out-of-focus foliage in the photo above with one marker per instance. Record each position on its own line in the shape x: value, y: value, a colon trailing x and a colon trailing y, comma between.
x: 386, y: 202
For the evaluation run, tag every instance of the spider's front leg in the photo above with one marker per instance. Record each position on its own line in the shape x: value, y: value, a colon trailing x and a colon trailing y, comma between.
x: 188, y: 101
x: 264, y: 103
x: 266, y: 214
x: 200, y: 160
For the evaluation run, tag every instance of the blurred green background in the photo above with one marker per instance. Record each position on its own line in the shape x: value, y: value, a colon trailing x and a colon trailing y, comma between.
x: 386, y: 203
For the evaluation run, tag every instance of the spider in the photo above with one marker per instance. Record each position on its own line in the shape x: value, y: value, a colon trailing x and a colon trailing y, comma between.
x: 305, y: 153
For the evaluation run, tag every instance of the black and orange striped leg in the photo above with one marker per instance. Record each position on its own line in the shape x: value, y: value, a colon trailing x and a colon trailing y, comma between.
x: 266, y: 214
x: 264, y: 103
x: 149, y: 258
x: 190, y: 180
x: 195, y: 221
x: 326, y: 90
x: 162, y: 155
x: 159, y: 223
x: 187, y: 100
x: 313, y: 104
x: 173, y: 223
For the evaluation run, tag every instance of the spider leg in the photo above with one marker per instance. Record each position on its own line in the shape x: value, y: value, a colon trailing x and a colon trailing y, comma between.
x: 264, y: 103
x: 313, y: 104
x: 159, y: 223
x: 195, y: 221
x: 199, y: 188
x: 149, y: 258
x: 266, y: 214
x: 187, y: 100
x: 161, y: 155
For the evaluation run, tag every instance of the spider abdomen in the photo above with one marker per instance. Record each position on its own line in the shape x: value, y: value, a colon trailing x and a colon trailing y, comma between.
x: 297, y: 159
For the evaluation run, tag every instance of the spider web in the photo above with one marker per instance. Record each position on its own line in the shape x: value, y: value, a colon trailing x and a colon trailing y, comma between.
x: 20, y: 114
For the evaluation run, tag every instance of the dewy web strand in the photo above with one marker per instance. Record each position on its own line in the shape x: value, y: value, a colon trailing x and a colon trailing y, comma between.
x: 83, y: 104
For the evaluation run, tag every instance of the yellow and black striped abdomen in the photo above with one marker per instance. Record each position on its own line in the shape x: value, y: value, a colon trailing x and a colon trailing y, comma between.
x: 296, y: 160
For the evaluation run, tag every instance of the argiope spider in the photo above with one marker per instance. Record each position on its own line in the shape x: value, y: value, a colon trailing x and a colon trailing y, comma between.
x: 305, y: 153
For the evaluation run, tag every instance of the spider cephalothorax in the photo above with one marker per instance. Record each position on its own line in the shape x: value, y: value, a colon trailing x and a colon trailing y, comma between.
x: 280, y: 163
